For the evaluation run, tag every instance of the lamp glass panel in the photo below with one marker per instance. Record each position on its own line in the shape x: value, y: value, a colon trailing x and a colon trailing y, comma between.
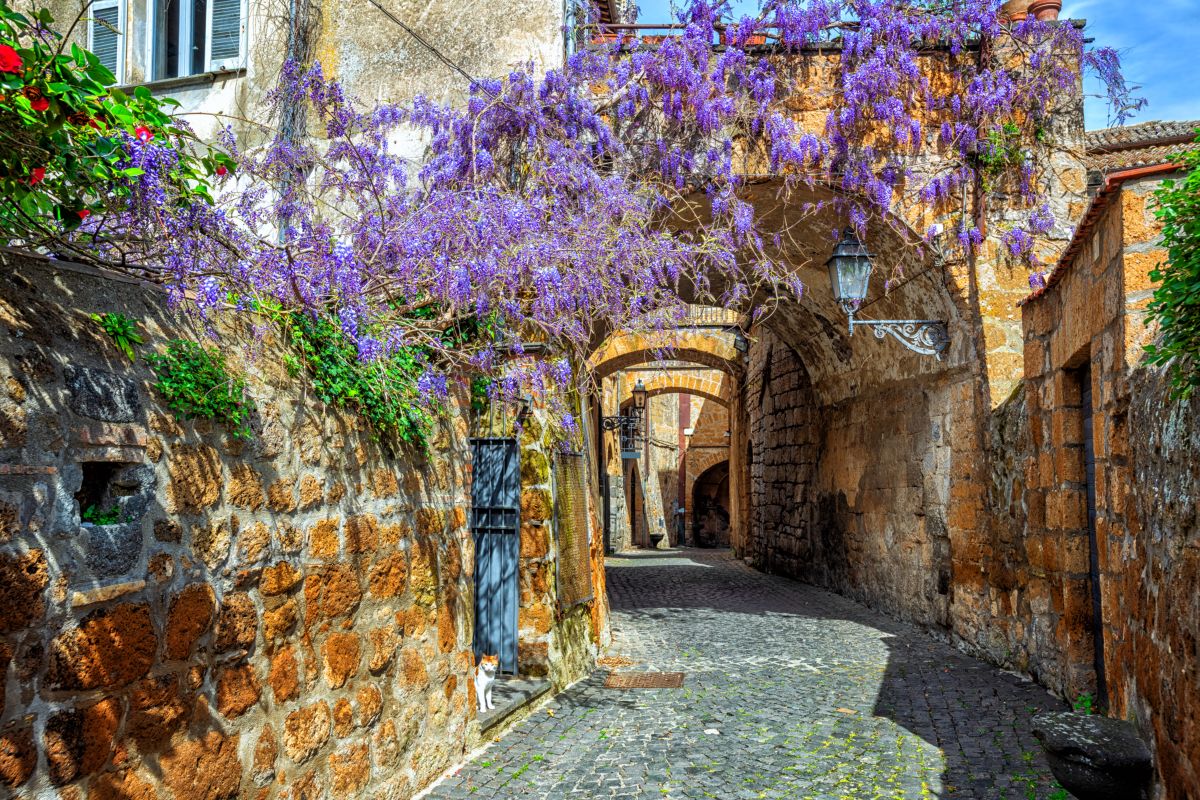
x: 850, y: 276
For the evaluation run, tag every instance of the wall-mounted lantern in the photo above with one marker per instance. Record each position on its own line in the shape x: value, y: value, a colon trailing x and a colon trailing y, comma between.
x: 850, y: 274
x: 631, y: 425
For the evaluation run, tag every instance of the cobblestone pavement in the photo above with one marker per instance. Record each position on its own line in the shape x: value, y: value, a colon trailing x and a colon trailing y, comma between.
x: 791, y: 692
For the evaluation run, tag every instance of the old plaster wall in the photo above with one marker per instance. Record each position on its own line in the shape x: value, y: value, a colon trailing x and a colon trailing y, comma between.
x: 376, y: 60
x: 278, y: 618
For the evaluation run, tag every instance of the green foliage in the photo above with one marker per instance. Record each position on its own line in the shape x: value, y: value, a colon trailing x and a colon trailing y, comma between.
x: 65, y: 128
x: 1000, y: 152
x: 1176, y: 303
x: 122, y: 330
x: 384, y: 391
x: 480, y: 393
x: 195, y: 382
x: 1084, y: 704
x: 110, y: 516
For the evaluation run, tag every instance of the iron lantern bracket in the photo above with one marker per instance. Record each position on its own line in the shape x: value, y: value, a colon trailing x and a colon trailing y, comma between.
x: 929, y: 337
x: 629, y: 429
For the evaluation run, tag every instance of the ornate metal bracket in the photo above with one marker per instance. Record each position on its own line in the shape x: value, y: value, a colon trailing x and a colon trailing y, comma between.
x: 929, y: 337
x: 630, y: 430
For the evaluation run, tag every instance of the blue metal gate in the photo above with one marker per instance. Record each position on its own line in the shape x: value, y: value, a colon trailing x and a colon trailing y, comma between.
x: 496, y: 526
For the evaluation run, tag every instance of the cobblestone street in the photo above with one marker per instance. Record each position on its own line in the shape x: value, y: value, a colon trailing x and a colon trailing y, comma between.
x: 790, y: 692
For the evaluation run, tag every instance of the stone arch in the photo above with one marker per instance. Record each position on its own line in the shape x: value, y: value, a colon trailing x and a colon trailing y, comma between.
x: 713, y: 348
x: 710, y: 384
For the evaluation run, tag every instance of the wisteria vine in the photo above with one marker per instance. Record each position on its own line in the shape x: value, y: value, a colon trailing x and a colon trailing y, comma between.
x: 609, y: 193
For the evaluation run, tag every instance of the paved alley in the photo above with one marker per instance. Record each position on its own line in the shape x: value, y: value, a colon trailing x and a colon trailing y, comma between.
x: 789, y: 692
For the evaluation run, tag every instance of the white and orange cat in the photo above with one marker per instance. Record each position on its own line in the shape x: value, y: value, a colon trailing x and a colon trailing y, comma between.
x: 485, y: 676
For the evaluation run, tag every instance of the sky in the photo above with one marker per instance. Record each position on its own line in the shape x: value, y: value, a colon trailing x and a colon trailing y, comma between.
x: 1159, y: 43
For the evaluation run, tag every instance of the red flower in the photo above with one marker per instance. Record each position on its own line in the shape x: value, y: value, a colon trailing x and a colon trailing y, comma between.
x: 84, y: 213
x: 37, y: 176
x: 221, y: 169
x: 9, y: 60
x: 40, y: 104
x: 143, y: 133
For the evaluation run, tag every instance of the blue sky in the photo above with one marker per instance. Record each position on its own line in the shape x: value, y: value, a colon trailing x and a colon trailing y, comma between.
x: 1157, y: 40
x: 1158, y: 46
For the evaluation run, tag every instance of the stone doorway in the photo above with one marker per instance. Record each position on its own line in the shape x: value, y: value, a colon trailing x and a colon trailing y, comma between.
x: 710, y: 504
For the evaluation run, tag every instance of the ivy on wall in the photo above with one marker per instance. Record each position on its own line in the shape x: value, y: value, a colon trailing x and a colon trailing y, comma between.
x: 1176, y: 303
x: 196, y: 383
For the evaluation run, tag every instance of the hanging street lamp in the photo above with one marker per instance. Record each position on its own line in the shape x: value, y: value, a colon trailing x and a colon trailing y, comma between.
x: 630, y: 426
x: 849, y: 275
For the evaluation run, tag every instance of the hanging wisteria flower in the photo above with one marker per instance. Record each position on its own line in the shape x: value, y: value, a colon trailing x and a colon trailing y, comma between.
x: 606, y: 194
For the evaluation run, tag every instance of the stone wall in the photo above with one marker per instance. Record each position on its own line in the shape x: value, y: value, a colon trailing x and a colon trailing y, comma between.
x: 281, y: 617
x: 553, y: 641
x: 853, y: 496
x: 1152, y: 605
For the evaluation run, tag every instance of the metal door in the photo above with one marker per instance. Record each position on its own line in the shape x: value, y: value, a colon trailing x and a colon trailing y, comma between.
x: 496, y: 526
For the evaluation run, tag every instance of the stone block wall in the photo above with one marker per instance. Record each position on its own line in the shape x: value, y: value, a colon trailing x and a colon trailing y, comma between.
x: 1152, y: 594
x: 783, y: 531
x: 552, y: 641
x: 283, y: 617
x: 853, y: 496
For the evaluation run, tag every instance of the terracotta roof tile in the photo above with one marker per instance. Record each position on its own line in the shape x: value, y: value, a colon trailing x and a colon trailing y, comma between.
x: 1141, y: 145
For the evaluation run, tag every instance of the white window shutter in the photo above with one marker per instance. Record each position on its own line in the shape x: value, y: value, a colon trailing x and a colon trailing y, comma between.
x: 226, y: 34
x: 103, y: 37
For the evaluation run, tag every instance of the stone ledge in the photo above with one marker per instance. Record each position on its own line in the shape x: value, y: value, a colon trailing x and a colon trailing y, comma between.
x: 511, y: 695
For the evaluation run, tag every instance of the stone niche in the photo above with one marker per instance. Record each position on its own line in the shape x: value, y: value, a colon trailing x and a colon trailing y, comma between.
x: 119, y: 493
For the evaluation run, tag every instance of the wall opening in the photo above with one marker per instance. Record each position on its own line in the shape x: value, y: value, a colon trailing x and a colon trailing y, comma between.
x: 711, y: 504
x: 100, y: 489
x: 1082, y: 376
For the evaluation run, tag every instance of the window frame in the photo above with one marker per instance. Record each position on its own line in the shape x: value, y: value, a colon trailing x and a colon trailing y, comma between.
x: 122, y: 24
x: 185, y: 33
x: 233, y: 62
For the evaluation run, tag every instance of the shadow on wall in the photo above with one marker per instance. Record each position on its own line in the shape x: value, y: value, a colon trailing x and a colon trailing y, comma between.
x: 823, y: 655
x: 299, y: 599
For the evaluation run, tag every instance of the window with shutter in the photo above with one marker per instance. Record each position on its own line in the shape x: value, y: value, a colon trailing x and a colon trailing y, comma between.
x: 224, y: 34
x: 193, y: 36
x: 104, y: 38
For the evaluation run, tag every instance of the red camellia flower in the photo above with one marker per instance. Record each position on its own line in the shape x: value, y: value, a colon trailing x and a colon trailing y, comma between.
x: 221, y: 169
x: 40, y: 104
x: 9, y: 60
x: 84, y: 213
x: 143, y: 133
x: 37, y: 175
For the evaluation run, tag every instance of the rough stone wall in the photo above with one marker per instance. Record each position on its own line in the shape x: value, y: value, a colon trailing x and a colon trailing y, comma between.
x: 663, y: 473
x: 782, y: 533
x: 279, y: 618
x: 552, y: 642
x: 854, y: 496
x: 1089, y: 327
x: 706, y: 447
x: 1152, y: 605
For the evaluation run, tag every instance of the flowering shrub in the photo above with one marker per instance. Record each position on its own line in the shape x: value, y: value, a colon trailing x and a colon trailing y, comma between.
x: 382, y: 389
x: 73, y: 145
x: 1176, y: 303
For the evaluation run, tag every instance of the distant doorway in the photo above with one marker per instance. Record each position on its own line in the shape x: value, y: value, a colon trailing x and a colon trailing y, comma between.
x: 710, y: 507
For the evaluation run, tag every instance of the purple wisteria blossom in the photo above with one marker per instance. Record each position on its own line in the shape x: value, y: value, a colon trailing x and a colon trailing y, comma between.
x: 607, y: 193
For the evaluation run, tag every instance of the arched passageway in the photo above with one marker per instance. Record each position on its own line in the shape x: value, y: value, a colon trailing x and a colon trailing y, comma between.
x: 710, y: 507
